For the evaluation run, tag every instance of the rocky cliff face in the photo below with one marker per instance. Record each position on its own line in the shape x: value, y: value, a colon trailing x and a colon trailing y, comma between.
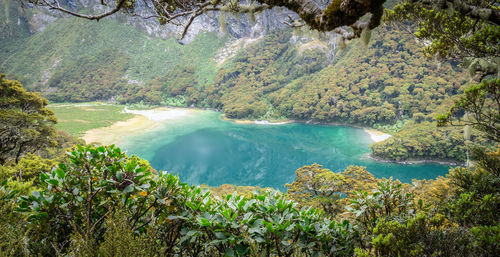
x: 238, y: 26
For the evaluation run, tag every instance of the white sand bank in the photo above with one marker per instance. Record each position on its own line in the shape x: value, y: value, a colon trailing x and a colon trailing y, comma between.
x: 144, y: 120
x: 159, y: 114
x: 266, y: 122
x: 377, y: 136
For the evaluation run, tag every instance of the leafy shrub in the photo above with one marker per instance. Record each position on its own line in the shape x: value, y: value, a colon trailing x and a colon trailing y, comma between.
x: 79, y: 195
x: 75, y: 211
x: 12, y: 230
x: 420, y: 236
x: 389, y: 200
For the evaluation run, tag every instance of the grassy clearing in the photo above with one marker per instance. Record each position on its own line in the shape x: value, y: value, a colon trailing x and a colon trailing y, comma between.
x: 78, y: 118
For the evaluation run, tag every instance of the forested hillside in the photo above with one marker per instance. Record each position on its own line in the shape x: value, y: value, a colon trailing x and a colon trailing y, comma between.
x: 71, y: 60
x: 386, y: 81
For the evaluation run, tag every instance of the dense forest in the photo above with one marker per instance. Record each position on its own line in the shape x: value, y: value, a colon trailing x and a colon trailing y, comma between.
x: 60, y: 197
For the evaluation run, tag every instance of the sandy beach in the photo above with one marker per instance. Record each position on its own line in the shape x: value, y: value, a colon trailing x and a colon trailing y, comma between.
x: 144, y: 120
x: 377, y: 136
x: 160, y: 114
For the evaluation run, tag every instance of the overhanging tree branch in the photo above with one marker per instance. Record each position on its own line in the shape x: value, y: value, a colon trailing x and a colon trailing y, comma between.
x: 337, y: 14
x: 55, y: 5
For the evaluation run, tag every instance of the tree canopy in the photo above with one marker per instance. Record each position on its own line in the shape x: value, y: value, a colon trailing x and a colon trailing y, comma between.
x: 26, y: 125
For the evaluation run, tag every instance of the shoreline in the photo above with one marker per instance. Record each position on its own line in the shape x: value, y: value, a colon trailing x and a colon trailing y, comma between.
x: 256, y: 122
x: 149, y: 119
x: 413, y: 162
x: 144, y: 120
x: 160, y: 114
x: 375, y: 135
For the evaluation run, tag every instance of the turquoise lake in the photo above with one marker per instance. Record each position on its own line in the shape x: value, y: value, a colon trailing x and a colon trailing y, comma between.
x: 204, y: 149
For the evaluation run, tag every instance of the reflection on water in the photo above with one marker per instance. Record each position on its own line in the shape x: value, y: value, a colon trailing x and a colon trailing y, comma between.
x: 203, y: 149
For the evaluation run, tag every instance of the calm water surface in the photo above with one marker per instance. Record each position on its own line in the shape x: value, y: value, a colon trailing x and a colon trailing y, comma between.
x: 203, y: 149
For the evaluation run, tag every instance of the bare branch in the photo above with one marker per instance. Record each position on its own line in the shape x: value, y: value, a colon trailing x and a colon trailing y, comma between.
x: 294, y: 23
x: 55, y: 5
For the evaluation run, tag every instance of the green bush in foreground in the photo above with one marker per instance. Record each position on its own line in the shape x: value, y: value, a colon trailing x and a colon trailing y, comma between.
x: 75, y: 212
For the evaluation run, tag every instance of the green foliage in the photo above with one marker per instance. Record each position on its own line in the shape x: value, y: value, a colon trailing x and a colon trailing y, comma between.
x: 79, y: 195
x: 399, y: 125
x: 395, y: 223
x: 242, y: 87
x: 315, y: 186
x: 119, y: 240
x: 387, y: 82
x: 30, y: 167
x: 26, y: 125
x: 481, y: 102
x: 265, y: 224
x: 171, y: 90
x: 90, y: 78
x: 421, y: 236
x: 24, y: 176
x: 72, y: 60
x: 473, y: 40
x: 380, y: 85
x: 102, y: 203
x: 486, y: 240
x: 469, y: 209
x: 246, y: 191
x: 463, y: 220
x: 326, y: 190
x: 385, y: 86
x: 11, y: 238
x: 12, y: 34
x: 389, y: 200
x: 476, y: 201
x: 425, y: 141
x: 451, y: 34
x: 417, y: 219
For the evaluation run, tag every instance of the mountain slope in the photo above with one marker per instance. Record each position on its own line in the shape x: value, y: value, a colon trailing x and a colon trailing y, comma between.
x: 108, y: 56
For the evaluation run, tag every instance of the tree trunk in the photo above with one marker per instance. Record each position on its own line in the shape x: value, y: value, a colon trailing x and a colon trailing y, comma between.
x: 19, y: 151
